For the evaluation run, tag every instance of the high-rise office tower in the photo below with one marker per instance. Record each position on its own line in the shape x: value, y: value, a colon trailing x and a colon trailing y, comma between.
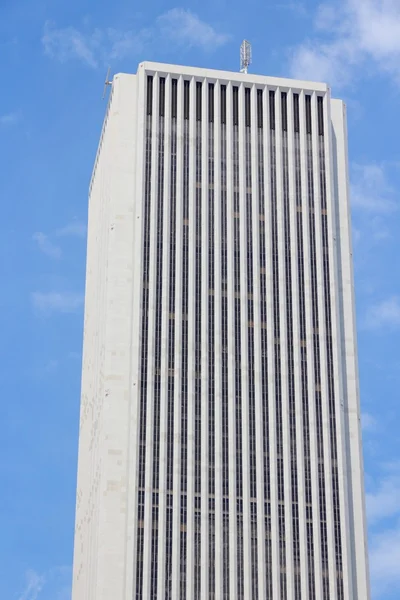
x: 220, y: 448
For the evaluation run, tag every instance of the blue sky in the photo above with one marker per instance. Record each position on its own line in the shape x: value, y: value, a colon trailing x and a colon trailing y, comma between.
x: 54, y: 58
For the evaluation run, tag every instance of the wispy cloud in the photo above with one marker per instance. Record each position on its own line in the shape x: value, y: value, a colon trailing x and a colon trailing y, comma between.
x: 385, y: 560
x: 178, y: 27
x: 76, y: 228
x: 9, y: 119
x: 47, y: 303
x: 369, y: 422
x: 46, y: 246
x: 384, y: 314
x: 69, y: 43
x: 375, y: 203
x: 185, y: 28
x: 384, y: 501
x: 356, y: 235
x: 370, y: 189
x: 350, y: 34
x: 55, y: 584
x: 34, y: 585
x: 383, y: 508
x: 120, y: 44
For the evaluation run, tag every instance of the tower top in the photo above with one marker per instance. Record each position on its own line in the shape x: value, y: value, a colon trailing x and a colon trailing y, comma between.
x: 245, y: 56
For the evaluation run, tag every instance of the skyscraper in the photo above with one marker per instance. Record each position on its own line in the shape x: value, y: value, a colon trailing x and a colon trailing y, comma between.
x: 220, y: 447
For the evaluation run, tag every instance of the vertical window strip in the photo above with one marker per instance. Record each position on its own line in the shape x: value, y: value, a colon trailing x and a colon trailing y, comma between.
x: 157, y: 344
x: 250, y: 357
x: 303, y: 353
x: 290, y: 353
x: 237, y: 329
x: 329, y: 354
x: 211, y: 348
x: 317, y: 357
x: 277, y: 355
x: 171, y: 343
x: 197, y: 386
x: 264, y: 348
x: 224, y: 357
x: 184, y: 359
x: 144, y: 344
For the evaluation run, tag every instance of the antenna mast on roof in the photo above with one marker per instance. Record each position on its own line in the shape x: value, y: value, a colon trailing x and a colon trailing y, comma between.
x: 245, y: 56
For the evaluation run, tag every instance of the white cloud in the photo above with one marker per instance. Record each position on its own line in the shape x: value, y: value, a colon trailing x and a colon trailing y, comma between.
x: 356, y: 235
x: 384, y: 561
x: 177, y: 27
x: 351, y: 34
x: 9, y: 119
x: 57, y: 302
x: 384, y: 314
x: 383, y: 508
x: 46, y: 246
x: 370, y: 189
x: 76, y: 228
x: 185, y: 28
x: 69, y: 43
x: 384, y: 501
x: 34, y: 585
x: 55, y: 584
x: 321, y: 62
x: 126, y: 43
x: 58, y: 583
x: 369, y: 423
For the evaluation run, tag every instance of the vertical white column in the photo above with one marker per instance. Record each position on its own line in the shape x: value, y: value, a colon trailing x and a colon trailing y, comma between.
x: 322, y: 341
x: 218, y: 345
x: 137, y: 284
x: 106, y: 428
x: 244, y: 348
x: 96, y: 539
x: 231, y: 355
x: 151, y: 349
x: 290, y: 224
x: 204, y: 344
x: 339, y: 361
x: 282, y: 344
x: 191, y: 344
x: 296, y: 349
x: 255, y: 158
x: 164, y: 343
x: 333, y: 299
x: 114, y: 394
x: 310, y: 351
x: 118, y: 339
x: 176, y: 520
x: 271, y: 351
x: 100, y: 196
x: 88, y: 489
x: 339, y: 371
x: 350, y: 455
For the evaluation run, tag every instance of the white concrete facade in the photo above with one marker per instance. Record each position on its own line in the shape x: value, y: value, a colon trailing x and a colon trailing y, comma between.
x: 220, y: 443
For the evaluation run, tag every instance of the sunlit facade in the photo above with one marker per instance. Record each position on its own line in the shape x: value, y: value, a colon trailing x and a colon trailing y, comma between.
x: 220, y: 447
